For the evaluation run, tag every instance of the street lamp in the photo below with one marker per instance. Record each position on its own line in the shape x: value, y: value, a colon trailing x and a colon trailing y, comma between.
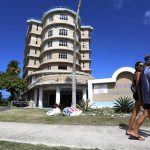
x: 74, y: 58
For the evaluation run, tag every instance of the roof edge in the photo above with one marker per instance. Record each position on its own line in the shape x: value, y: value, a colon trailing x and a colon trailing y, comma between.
x: 114, y: 76
x: 55, y: 9
x: 87, y: 27
x: 33, y: 21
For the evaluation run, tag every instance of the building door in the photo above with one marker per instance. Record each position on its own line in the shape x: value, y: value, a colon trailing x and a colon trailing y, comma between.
x: 66, y: 97
x: 52, y: 99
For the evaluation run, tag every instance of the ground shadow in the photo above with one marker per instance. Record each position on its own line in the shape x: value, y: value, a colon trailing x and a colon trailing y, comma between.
x: 142, y: 132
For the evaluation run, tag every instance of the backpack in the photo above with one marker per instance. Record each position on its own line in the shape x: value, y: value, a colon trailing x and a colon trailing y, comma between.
x: 133, y: 89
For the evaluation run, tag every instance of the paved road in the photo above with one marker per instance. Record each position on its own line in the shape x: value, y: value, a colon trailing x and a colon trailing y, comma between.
x: 109, y: 137
x: 3, y: 108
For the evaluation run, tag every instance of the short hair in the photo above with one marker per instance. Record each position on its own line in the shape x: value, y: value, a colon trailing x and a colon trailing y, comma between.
x: 137, y: 64
x: 147, y: 58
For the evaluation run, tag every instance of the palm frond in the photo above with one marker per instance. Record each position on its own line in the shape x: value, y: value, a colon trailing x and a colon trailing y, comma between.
x: 123, y: 105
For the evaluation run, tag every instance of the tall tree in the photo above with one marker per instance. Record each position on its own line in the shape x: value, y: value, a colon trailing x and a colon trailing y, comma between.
x: 13, y: 67
x: 2, y: 86
x: 15, y: 85
x: 0, y: 96
x: 11, y: 82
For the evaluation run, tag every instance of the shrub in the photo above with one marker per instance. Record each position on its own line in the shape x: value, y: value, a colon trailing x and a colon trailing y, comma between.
x: 84, y: 105
x: 123, y: 105
x: 4, y: 102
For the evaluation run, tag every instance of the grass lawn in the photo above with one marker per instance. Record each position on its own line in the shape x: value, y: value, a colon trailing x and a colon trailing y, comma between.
x: 5, y: 145
x: 103, y: 116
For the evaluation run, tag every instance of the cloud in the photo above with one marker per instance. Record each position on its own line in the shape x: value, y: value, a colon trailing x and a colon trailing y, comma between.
x: 147, y: 18
x: 118, y: 4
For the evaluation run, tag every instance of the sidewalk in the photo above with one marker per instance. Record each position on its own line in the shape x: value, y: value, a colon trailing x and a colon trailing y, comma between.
x: 109, y: 137
x: 3, y: 108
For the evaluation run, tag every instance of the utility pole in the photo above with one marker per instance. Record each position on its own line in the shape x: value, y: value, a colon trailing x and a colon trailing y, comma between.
x: 74, y: 58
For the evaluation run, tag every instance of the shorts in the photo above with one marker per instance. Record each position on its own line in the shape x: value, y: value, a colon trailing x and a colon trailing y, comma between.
x: 146, y: 106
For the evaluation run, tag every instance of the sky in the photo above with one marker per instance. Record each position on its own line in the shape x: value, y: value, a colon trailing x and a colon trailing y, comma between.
x: 120, y: 36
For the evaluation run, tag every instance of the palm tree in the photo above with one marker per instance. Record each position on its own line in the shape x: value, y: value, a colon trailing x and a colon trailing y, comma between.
x: 123, y: 105
x: 13, y: 67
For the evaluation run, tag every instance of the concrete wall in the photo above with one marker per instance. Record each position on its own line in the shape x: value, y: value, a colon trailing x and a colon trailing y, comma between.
x: 119, y: 88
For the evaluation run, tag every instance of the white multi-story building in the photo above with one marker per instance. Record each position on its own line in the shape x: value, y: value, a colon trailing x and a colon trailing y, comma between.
x: 48, y: 58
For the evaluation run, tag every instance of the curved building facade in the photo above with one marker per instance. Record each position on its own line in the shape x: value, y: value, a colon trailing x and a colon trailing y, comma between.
x: 48, y: 58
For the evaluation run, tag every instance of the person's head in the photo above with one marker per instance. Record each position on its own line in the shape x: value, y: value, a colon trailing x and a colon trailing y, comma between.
x: 138, y: 65
x: 147, y: 60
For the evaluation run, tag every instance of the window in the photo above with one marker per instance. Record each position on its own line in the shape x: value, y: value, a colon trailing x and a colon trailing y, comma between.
x: 77, y: 61
x: 36, y: 42
x: 35, y: 51
x: 34, y: 62
x: 50, y: 33
x: 63, y: 55
x: 100, y: 89
x: 82, y: 32
x: 48, y: 68
x: 33, y: 79
x: 83, y: 65
x: 49, y: 43
x: 37, y: 27
x: 63, y: 32
x: 83, y: 54
x: 41, y: 61
x: 43, y: 37
x: 63, y: 17
x: 77, y: 48
x: 62, y: 42
x: 49, y: 56
x: 63, y: 67
x: 50, y: 18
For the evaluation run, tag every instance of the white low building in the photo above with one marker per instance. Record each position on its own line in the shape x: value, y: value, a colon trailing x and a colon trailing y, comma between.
x: 103, y: 92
